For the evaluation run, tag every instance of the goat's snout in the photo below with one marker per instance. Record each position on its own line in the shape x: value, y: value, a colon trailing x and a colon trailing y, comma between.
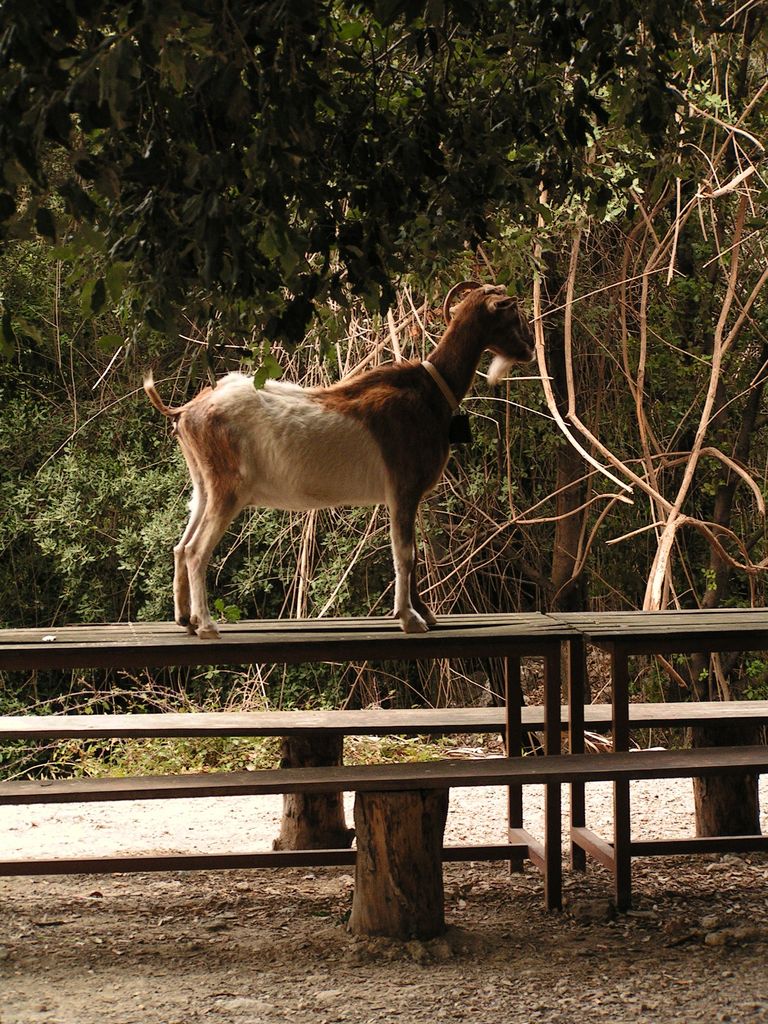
x: 514, y: 337
x: 514, y: 341
x: 526, y: 339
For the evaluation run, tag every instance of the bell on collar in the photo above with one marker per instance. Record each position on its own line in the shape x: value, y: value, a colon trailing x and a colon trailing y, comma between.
x: 460, y: 431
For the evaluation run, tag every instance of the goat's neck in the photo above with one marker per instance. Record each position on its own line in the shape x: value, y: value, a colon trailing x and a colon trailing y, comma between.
x: 457, y: 357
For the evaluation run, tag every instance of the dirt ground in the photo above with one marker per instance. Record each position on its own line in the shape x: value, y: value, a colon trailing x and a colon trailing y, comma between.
x: 263, y: 947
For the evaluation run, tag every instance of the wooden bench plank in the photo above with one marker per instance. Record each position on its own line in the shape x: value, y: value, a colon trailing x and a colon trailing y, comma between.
x: 497, y: 771
x: 697, y: 845
x: 685, y: 713
x: 368, y: 722
x: 261, y: 723
x: 123, y: 863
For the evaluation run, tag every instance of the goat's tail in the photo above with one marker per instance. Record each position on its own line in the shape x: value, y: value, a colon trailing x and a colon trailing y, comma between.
x: 156, y: 400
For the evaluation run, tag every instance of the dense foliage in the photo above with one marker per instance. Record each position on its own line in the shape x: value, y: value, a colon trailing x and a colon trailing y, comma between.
x: 252, y: 160
x: 174, y: 176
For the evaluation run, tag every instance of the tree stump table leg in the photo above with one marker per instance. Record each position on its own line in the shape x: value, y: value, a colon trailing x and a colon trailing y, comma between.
x: 399, y: 867
x: 727, y: 805
x: 313, y: 821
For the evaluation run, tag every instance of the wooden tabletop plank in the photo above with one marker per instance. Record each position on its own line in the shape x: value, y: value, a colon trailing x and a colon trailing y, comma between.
x: 367, y: 722
x: 289, y: 641
x: 126, y: 632
x: 691, y: 630
x: 395, y: 777
x: 136, y: 645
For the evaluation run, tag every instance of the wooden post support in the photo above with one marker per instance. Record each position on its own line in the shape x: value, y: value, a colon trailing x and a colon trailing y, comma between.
x: 577, y: 685
x: 399, y: 869
x: 553, y: 864
x: 513, y: 746
x: 622, y: 822
x: 727, y: 805
x: 313, y: 821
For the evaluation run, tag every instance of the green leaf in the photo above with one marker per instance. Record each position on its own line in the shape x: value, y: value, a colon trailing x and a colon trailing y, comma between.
x: 269, y: 369
x: 115, y: 279
x: 351, y: 30
x: 92, y: 237
x: 7, y: 336
x: 110, y: 342
x: 93, y: 297
x: 173, y: 64
x: 28, y: 330
x: 63, y: 252
x: 228, y: 612
x: 45, y: 223
x: 268, y: 243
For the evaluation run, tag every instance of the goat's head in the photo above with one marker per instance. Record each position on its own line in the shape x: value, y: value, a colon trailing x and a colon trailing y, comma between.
x: 497, y: 317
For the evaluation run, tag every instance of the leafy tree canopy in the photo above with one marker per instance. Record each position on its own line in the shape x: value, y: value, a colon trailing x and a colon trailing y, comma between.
x: 246, y: 161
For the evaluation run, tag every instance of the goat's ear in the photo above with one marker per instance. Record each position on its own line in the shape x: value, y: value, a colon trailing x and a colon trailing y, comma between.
x: 496, y: 303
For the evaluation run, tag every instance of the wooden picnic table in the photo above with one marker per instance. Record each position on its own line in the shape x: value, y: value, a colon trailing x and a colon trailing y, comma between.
x: 623, y: 635
x: 509, y: 637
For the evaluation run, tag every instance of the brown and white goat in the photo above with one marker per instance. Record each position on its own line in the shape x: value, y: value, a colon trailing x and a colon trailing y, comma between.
x: 377, y: 438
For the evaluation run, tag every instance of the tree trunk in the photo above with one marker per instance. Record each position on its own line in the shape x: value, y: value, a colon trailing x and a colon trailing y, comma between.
x: 727, y: 805
x: 316, y: 821
x: 568, y: 591
x: 399, y: 869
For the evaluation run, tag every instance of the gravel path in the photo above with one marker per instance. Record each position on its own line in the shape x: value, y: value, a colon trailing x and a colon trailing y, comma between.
x: 271, y: 946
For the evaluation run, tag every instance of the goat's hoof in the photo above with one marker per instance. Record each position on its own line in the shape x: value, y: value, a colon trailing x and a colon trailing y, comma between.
x: 429, y: 617
x: 208, y: 633
x: 412, y: 622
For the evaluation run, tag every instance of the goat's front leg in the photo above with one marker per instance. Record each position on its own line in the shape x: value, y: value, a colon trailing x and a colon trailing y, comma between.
x: 182, y: 610
x: 402, y: 529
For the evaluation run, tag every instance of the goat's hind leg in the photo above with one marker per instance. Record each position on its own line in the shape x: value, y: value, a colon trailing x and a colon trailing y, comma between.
x: 199, y: 549
x: 182, y: 608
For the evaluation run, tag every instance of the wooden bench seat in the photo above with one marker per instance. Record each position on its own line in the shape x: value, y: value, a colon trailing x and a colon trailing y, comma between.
x: 390, y: 778
x: 367, y: 722
x: 493, y: 771
x: 521, y: 844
